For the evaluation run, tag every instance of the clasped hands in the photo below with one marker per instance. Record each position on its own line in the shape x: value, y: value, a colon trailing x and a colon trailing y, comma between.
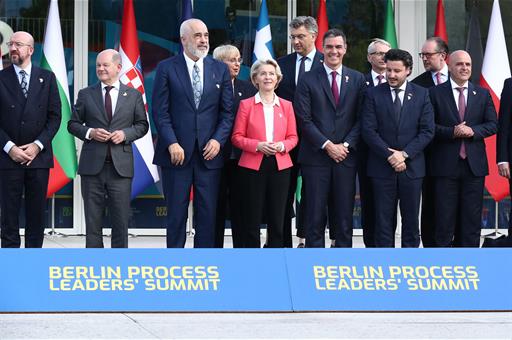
x: 270, y: 148
x: 177, y: 153
x: 103, y: 136
x: 462, y: 131
x: 397, y: 160
x: 24, y: 154
x: 338, y: 152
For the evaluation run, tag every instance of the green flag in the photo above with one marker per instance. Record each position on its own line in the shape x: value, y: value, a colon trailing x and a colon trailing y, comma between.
x: 389, y: 25
x: 64, y: 152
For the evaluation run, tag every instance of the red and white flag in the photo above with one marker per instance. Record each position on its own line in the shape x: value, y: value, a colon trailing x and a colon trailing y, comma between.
x: 323, y: 25
x: 146, y: 173
x: 495, y: 70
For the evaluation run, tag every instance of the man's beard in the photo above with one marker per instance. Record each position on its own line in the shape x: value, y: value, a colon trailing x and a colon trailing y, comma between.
x: 192, y: 49
x: 16, y: 61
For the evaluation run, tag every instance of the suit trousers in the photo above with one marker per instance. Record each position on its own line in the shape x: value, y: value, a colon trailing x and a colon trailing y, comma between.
x: 228, y: 202
x: 106, y: 189
x: 33, y: 183
x: 389, y: 192
x: 263, y: 190
x: 458, y: 209
x: 177, y: 183
x: 332, y: 187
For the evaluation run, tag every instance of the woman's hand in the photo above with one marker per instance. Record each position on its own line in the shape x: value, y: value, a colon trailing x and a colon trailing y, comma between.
x: 267, y: 148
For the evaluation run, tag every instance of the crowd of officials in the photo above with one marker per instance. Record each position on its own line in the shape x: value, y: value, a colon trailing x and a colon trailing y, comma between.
x: 243, y: 145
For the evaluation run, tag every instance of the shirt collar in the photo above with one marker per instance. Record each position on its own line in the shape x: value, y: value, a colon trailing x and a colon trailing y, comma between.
x: 455, y: 85
x: 443, y: 71
x: 402, y: 87
x: 310, y: 55
x: 115, y: 85
x: 329, y: 70
x: 27, y: 69
x: 257, y: 99
x: 190, y: 62
x: 375, y: 74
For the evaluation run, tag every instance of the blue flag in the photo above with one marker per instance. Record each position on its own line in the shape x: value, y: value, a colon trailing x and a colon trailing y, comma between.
x: 263, y: 42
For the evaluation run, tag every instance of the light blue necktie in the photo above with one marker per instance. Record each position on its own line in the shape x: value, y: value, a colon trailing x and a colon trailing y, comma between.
x: 196, y: 85
x: 24, y: 84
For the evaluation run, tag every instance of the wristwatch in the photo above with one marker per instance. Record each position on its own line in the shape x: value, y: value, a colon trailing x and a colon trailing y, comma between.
x: 345, y: 144
x: 405, y: 154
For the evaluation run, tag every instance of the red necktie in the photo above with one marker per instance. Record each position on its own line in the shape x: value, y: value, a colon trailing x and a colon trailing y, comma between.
x: 462, y: 111
x: 380, y: 77
x: 438, y: 78
x: 334, y: 88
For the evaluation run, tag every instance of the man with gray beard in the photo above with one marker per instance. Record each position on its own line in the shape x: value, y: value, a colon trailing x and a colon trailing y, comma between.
x: 192, y: 100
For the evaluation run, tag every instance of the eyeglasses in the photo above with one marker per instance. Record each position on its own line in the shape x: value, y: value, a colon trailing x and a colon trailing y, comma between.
x: 299, y: 36
x: 235, y: 60
x: 427, y: 55
x: 379, y: 54
x: 17, y: 44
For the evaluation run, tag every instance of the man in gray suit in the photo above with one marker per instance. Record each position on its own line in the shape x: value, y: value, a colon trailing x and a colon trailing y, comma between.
x: 108, y: 116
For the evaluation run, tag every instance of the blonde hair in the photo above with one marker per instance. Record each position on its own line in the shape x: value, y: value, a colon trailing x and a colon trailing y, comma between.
x: 259, y: 63
x: 224, y: 52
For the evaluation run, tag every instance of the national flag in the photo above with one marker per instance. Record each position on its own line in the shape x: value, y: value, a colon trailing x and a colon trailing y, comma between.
x: 389, y: 26
x: 495, y: 70
x: 186, y: 10
x: 440, y: 28
x: 64, y: 150
x: 323, y: 24
x: 146, y: 173
x: 263, y: 42
x: 474, y: 45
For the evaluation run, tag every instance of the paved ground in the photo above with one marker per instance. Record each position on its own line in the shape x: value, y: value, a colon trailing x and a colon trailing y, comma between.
x: 248, y: 325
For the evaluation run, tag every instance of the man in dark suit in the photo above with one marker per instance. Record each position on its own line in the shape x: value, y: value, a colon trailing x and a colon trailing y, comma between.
x: 327, y: 103
x: 504, y: 138
x: 303, y: 33
x: 229, y: 187
x: 433, y: 54
x: 397, y: 125
x: 30, y: 113
x: 108, y: 116
x: 192, y: 100
x: 377, y: 75
x: 464, y: 116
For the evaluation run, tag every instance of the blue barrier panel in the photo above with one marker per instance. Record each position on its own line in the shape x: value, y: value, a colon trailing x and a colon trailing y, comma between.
x: 400, y: 279
x: 48, y: 280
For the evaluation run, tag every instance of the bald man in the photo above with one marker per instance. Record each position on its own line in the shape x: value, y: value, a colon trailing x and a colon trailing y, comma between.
x: 30, y: 113
x: 108, y: 116
x: 464, y: 116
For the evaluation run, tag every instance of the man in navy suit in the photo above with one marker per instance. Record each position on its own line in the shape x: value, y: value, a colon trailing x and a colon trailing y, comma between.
x: 327, y: 103
x: 397, y: 125
x: 303, y: 33
x: 433, y: 55
x: 192, y: 100
x: 504, y: 138
x: 30, y: 113
x: 464, y: 116
x: 377, y: 75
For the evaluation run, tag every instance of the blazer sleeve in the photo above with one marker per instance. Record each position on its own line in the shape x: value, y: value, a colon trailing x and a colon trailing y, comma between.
x: 291, y: 138
x: 425, y: 131
x: 239, y: 137
x: 489, y: 126
x: 140, y: 123
x: 161, y: 96
x: 370, y: 127
x: 504, y: 123
x: 76, y: 125
x: 226, y: 116
x: 442, y: 132
x: 53, y: 115
x: 354, y: 135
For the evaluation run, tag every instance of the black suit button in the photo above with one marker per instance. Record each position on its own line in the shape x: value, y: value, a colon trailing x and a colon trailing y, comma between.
x: 12, y: 106
x: 22, y: 122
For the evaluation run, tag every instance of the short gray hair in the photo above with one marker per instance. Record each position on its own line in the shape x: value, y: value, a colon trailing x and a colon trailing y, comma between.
x: 223, y: 52
x: 259, y: 63
x: 185, y: 25
x: 309, y: 24
x: 371, y: 47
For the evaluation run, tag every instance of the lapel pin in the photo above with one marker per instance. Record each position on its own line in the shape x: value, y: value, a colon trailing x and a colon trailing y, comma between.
x: 367, y: 83
x: 346, y: 79
x: 409, y: 96
x: 218, y: 86
x: 41, y: 80
x: 124, y: 94
x: 239, y: 94
x: 280, y: 115
x: 474, y: 93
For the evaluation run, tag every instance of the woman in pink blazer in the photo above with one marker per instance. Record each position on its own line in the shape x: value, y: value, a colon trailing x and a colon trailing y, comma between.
x: 265, y: 131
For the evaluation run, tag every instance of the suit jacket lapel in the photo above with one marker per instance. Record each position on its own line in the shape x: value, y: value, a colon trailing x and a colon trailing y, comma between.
x: 408, y: 102
x: 209, y: 78
x: 121, y: 100
x: 13, y: 84
x: 324, y: 81
x: 184, y: 77
x: 386, y: 93
x: 472, y: 96
x: 345, y: 84
x: 317, y: 60
x: 97, y: 98
x: 35, y: 84
x: 449, y: 98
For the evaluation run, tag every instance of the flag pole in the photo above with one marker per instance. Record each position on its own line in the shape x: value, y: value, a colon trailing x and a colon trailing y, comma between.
x: 53, y: 232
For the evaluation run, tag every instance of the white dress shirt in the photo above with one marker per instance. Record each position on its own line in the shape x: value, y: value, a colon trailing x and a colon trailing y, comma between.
x: 455, y: 92
x: 401, y: 94
x: 444, y: 75
x: 268, y: 112
x: 114, y: 94
x: 307, y: 63
x: 190, y: 68
x: 338, y: 81
x: 375, y: 78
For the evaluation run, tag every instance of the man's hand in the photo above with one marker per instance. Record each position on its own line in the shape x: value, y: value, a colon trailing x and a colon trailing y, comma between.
x: 267, y: 148
x: 400, y: 167
x: 463, y: 131
x: 396, y: 158
x: 337, y: 152
x: 504, y: 170
x: 19, y: 155
x: 31, y: 150
x: 177, y: 154
x: 211, y: 149
x: 117, y: 137
x: 100, y: 135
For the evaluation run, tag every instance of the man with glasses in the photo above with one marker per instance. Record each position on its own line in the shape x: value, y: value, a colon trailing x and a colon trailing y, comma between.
x: 433, y: 54
x: 30, y: 113
x: 303, y: 33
